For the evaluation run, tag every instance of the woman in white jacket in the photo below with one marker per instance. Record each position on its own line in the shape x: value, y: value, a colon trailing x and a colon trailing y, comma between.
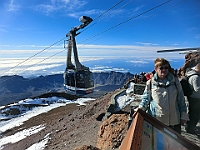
x: 164, y: 98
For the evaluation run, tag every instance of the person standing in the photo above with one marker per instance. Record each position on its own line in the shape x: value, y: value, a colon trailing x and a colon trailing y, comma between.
x: 163, y: 97
x: 194, y: 99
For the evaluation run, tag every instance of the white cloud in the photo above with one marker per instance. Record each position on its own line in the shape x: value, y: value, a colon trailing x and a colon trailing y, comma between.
x: 5, y: 45
x: 138, y: 61
x: 46, y: 8
x: 138, y: 8
x: 12, y: 6
x: 86, y: 50
x: 147, y: 44
x: 17, y: 62
x: 57, y: 5
x: 43, y: 67
x: 36, y: 66
x: 27, y: 46
x: 108, y: 69
x: 76, y: 4
x: 3, y: 30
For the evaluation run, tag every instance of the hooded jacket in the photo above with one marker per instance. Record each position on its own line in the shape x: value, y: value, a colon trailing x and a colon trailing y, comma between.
x: 167, y: 102
x: 194, y: 82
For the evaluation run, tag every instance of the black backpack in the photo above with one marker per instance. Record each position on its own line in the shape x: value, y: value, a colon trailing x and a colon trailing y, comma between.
x: 187, y: 90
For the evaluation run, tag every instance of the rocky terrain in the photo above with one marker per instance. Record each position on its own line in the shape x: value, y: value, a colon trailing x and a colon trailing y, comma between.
x: 69, y: 126
x: 191, y: 59
x: 73, y: 127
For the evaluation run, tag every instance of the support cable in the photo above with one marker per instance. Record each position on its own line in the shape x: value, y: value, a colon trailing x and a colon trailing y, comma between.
x: 94, y: 35
x: 59, y: 40
x: 34, y: 55
x: 128, y: 20
x: 105, y: 13
x: 145, y: 18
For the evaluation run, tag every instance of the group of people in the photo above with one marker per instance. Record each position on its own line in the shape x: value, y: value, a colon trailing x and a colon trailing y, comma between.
x: 163, y: 97
x: 143, y: 77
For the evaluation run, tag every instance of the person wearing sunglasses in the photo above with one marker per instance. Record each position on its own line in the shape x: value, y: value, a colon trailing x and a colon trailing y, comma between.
x: 163, y: 97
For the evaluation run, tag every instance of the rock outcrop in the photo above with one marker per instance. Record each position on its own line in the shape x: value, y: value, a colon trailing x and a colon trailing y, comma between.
x: 112, y: 132
x: 191, y: 59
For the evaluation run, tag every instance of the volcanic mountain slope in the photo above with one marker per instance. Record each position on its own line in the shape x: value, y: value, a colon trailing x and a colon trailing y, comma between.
x: 73, y: 127
x: 79, y: 127
x: 67, y: 127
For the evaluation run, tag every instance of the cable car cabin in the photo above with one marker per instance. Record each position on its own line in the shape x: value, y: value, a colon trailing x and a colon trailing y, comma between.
x: 78, y: 79
x: 78, y: 82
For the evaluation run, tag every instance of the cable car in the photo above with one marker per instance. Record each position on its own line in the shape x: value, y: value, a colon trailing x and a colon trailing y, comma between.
x: 78, y: 79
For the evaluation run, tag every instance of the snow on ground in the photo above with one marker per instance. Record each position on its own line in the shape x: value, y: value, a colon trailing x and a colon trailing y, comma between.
x: 45, y: 105
x: 126, y: 97
x: 40, y: 145
x: 20, y: 135
x: 42, y: 105
x: 34, y: 111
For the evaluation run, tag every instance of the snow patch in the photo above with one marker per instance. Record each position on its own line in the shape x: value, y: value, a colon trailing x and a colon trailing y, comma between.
x: 20, y: 135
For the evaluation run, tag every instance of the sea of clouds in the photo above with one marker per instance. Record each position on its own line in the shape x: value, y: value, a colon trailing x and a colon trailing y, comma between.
x: 38, y: 67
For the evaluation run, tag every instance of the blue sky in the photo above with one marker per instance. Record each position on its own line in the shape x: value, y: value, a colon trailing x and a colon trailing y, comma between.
x: 136, y: 28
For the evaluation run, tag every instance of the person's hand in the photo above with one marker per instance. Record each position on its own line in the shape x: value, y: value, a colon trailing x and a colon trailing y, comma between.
x: 136, y: 109
x: 183, y: 122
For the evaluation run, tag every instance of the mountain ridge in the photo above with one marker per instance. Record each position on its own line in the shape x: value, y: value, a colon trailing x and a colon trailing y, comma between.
x: 15, y: 88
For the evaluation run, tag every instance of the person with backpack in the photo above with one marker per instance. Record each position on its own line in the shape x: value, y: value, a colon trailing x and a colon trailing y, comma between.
x: 163, y: 97
x: 193, y: 99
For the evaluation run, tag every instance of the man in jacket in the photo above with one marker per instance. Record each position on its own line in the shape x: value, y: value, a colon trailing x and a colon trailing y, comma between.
x: 194, y: 99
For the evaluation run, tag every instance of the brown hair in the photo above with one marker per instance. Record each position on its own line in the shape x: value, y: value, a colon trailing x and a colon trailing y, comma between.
x: 161, y: 62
